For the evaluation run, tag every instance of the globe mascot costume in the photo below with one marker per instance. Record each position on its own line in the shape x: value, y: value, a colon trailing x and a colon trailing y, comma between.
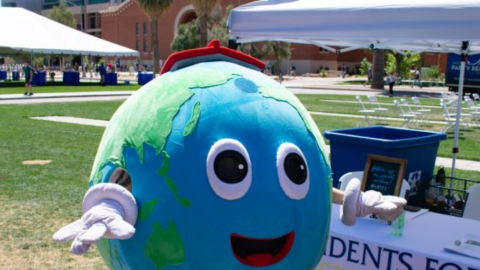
x: 212, y: 166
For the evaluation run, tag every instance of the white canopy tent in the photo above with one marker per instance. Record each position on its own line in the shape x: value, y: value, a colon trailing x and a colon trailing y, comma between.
x: 25, y: 32
x: 406, y: 26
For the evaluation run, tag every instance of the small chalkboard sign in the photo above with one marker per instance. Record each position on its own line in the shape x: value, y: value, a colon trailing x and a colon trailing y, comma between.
x: 383, y: 174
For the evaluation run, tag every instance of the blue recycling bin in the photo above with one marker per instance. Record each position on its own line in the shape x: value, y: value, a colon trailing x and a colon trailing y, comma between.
x: 15, y: 76
x: 349, y: 149
x: 3, y: 75
x: 111, y: 79
x: 144, y: 78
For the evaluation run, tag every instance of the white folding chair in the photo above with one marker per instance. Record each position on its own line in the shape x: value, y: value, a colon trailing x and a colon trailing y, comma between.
x: 451, y: 118
x: 472, y: 203
x: 346, y: 178
x: 450, y: 99
x: 474, y: 110
x: 476, y: 97
x: 409, y: 110
x: 408, y: 119
x: 375, y: 105
x: 366, y: 113
x: 417, y: 103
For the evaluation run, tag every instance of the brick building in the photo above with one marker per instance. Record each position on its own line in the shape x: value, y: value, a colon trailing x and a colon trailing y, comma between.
x: 86, y: 12
x: 126, y: 24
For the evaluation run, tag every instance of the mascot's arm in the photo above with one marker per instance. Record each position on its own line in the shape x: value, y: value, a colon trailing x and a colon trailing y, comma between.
x: 109, y: 210
x: 359, y: 204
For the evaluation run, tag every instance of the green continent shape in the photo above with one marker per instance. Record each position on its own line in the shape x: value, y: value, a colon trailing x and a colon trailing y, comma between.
x: 147, y: 209
x: 281, y: 94
x: 103, y: 246
x: 169, y: 181
x: 147, y: 116
x: 165, y: 165
x: 190, y: 127
x: 173, y: 187
x: 165, y: 247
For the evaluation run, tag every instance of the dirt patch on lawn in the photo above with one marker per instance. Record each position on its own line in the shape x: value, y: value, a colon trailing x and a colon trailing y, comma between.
x: 36, y: 162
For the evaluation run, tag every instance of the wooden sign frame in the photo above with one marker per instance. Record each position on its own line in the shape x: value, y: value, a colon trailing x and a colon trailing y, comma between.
x: 401, y: 172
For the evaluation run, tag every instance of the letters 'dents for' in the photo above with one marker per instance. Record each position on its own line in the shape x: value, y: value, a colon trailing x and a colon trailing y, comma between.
x: 384, y: 174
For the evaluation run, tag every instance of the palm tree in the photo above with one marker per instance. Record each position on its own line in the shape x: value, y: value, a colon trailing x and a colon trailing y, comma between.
x: 378, y: 69
x: 154, y: 9
x: 203, y: 8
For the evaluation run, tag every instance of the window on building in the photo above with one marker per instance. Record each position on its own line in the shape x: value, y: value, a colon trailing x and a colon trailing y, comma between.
x: 145, y: 28
x: 138, y: 28
x: 137, y: 45
x: 145, y: 46
x: 93, y: 20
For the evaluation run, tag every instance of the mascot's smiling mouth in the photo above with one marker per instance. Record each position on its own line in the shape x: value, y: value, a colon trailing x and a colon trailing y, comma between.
x: 261, y: 252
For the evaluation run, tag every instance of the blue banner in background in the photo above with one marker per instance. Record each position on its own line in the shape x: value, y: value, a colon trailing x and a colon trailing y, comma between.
x: 472, y: 70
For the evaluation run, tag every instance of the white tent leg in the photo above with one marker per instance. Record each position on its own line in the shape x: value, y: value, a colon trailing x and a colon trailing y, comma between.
x: 465, y: 46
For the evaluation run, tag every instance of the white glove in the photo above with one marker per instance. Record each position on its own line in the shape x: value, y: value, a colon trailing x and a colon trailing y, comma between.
x: 109, y: 210
x: 359, y: 204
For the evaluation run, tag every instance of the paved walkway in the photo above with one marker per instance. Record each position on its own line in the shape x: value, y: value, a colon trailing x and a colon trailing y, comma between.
x: 64, y: 97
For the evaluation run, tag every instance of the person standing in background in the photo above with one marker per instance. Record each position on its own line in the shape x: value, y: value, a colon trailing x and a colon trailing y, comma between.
x: 416, y: 78
x: 102, y: 70
x: 344, y: 71
x: 369, y: 76
x: 28, y: 71
x: 293, y: 70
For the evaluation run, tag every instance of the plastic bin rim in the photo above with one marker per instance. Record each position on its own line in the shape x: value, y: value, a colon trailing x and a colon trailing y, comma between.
x: 426, y: 137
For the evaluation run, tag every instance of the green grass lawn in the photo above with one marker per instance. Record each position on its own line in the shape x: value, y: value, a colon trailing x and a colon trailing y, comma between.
x: 469, y: 140
x: 58, y: 87
x: 37, y: 200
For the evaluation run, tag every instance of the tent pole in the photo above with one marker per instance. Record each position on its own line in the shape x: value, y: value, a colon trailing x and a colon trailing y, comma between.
x: 465, y: 45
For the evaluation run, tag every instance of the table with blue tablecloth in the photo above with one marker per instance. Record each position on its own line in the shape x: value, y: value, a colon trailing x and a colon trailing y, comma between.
x: 39, y: 78
x: 71, y: 78
x: 15, y: 76
x: 111, y: 79
x: 3, y: 75
x: 144, y: 78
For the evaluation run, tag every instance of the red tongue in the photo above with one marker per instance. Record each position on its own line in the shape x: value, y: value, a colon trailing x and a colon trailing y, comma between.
x: 260, y: 259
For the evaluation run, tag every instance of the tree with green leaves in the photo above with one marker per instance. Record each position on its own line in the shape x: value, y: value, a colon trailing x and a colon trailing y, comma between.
x: 188, y: 35
x: 188, y: 38
x: 402, y: 64
x: 62, y: 15
x: 204, y: 8
x: 364, y: 66
x: 154, y: 9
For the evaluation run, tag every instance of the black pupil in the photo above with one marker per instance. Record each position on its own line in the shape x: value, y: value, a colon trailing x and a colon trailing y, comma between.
x: 230, y: 167
x: 295, y: 168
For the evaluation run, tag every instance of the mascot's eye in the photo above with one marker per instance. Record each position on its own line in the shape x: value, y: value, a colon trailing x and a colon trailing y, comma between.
x: 292, y: 170
x: 122, y: 178
x: 296, y: 169
x: 229, y: 169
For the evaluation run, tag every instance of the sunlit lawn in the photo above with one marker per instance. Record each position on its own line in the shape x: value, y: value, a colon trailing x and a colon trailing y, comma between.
x: 36, y: 200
